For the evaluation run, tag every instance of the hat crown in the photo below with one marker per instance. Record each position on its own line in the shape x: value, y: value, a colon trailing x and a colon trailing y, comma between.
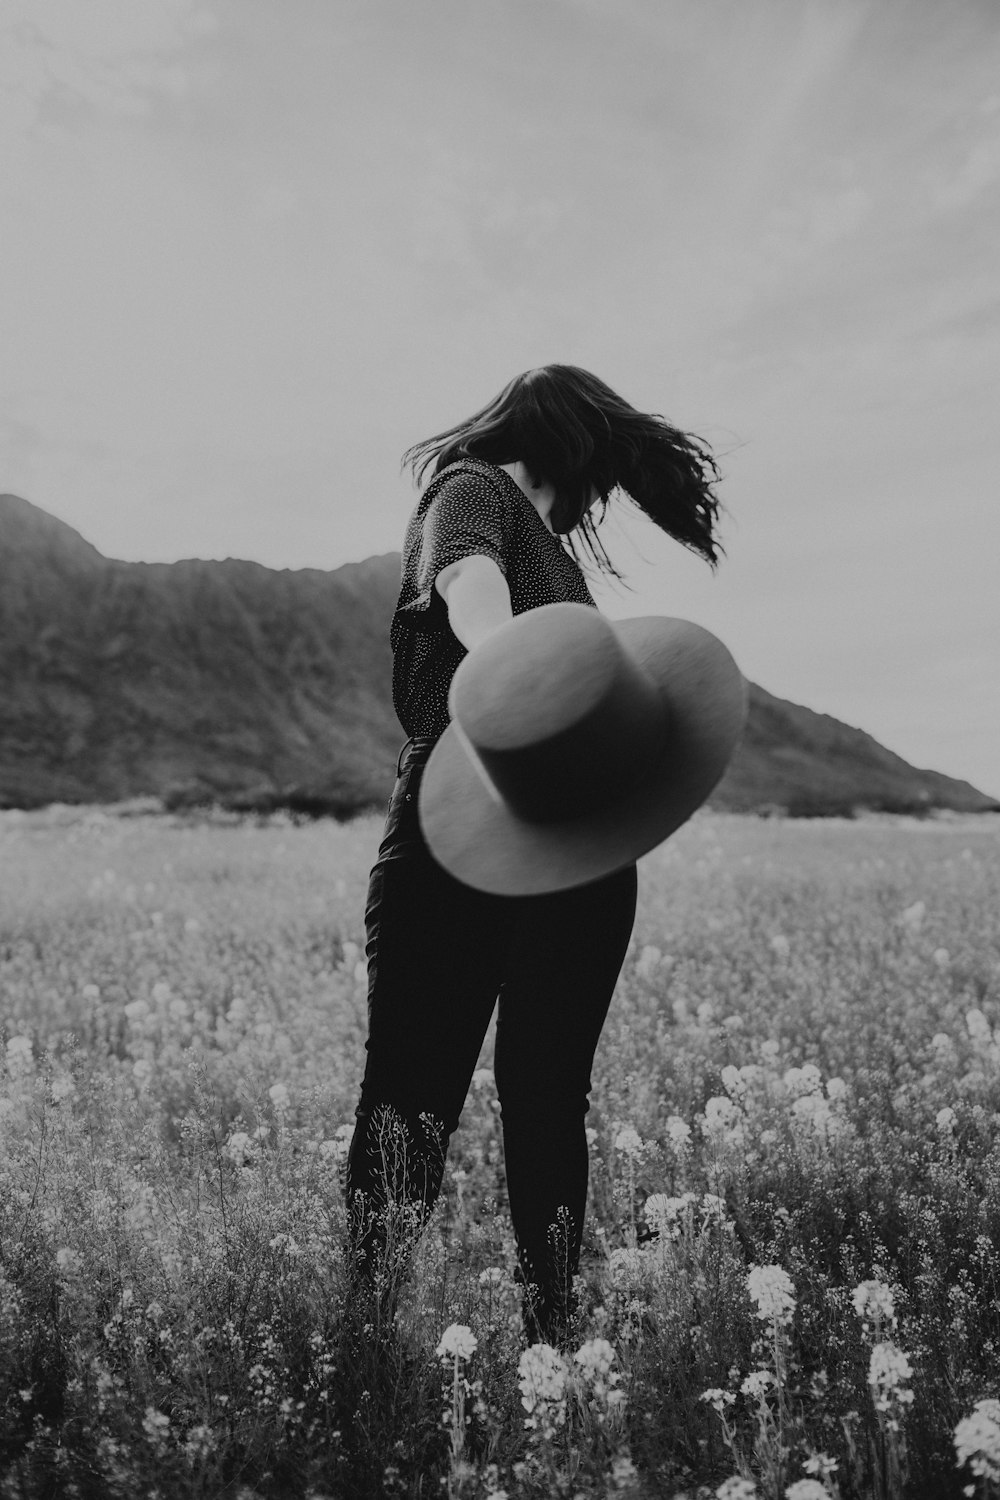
x: 555, y: 714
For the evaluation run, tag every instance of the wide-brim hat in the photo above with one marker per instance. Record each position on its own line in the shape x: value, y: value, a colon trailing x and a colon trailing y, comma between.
x: 577, y: 744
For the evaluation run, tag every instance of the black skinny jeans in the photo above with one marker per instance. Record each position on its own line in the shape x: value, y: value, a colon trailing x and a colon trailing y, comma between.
x: 439, y: 956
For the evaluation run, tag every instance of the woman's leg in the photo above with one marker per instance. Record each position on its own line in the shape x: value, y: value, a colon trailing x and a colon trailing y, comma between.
x: 565, y: 959
x: 435, y: 951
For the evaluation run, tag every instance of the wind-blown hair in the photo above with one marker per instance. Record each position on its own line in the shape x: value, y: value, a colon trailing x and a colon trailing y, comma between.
x: 574, y: 432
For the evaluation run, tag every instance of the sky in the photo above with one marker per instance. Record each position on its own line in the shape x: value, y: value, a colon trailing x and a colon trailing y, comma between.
x: 250, y: 252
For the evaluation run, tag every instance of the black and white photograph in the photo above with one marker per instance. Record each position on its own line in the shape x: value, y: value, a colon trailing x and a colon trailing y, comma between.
x: 499, y: 749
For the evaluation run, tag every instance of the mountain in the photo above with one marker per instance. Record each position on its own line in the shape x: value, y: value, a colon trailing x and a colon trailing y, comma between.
x: 257, y: 688
x: 810, y: 765
x: 191, y: 680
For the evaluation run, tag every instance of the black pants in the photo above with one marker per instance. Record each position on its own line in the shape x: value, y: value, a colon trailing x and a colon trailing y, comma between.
x: 439, y: 956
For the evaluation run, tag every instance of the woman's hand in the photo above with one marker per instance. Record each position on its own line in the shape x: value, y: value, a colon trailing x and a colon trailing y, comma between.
x: 477, y: 597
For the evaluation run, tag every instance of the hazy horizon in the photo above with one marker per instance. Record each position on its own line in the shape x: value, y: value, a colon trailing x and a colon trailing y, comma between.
x: 608, y: 601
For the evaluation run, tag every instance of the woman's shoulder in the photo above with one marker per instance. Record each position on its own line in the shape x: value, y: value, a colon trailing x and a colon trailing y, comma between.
x: 464, y: 510
x: 467, y: 493
x: 466, y: 476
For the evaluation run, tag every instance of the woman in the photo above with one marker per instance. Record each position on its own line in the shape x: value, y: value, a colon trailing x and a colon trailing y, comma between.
x: 500, y: 529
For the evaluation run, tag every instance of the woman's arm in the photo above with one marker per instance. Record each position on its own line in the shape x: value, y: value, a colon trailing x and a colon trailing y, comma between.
x: 477, y: 597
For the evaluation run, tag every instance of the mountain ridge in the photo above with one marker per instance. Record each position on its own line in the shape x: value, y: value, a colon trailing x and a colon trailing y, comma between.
x: 227, y: 681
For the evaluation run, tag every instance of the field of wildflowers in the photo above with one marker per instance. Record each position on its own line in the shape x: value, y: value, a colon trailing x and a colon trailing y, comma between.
x: 791, y: 1278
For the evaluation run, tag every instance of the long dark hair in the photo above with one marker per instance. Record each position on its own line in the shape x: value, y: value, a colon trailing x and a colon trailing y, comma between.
x: 574, y: 432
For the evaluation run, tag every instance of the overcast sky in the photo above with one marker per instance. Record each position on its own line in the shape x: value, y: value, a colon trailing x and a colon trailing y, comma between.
x: 250, y: 251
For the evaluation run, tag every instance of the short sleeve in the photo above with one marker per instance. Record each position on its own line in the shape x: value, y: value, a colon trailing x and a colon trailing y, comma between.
x: 468, y: 516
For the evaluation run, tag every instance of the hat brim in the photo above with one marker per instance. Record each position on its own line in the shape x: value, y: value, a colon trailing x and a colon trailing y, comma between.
x: 482, y: 843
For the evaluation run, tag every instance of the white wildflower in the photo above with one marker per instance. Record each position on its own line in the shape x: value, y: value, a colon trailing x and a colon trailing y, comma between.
x: 822, y: 1119
x: 805, y: 1080
x: 942, y: 1044
x: 199, y: 1443
x: 813, y: 1110
x: 161, y: 992
x: 873, y: 1302
x: 457, y: 1342
x: 772, y: 1289
x: 662, y: 1212
x: 945, y: 1120
x: 807, y: 1489
x: 978, y: 1026
x: 678, y: 1132
x: 941, y: 957
x: 279, y: 1096
x: 91, y: 992
x: 757, y: 1383
x: 836, y: 1089
x: 240, y: 1148
x: 977, y: 1440
x: 628, y: 1141
x: 337, y: 1147
x: 722, y: 1118
x: 541, y: 1375
x: 733, y: 1082
x: 736, y: 1488
x: 68, y: 1261
x: 913, y: 916
x: 717, y: 1398
x: 780, y: 945
x: 492, y: 1276
x: 595, y: 1359
x: 623, y: 1473
x: 821, y: 1464
x: 62, y: 1087
x: 156, y: 1426
x: 136, y: 1010
x: 888, y: 1371
x: 628, y: 1267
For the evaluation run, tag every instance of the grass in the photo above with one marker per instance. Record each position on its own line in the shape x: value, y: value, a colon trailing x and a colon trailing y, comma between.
x: 795, y: 1187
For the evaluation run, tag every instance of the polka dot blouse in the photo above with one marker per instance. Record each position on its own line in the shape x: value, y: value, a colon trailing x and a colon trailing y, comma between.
x: 469, y: 507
